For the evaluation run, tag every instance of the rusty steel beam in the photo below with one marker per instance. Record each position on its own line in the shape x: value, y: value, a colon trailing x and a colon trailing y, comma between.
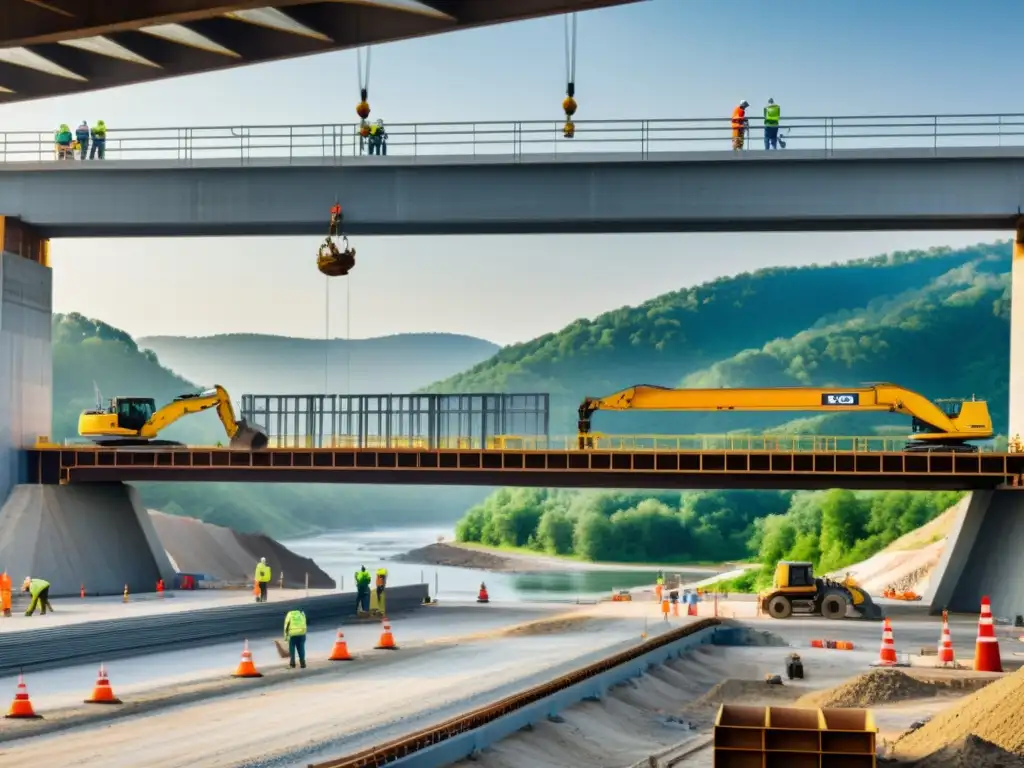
x: 561, y: 469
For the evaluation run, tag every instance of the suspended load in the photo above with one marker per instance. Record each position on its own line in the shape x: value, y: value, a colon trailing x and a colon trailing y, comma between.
x: 569, y: 102
x: 330, y: 259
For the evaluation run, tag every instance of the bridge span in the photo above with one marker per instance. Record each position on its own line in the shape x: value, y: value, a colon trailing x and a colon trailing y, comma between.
x: 538, y: 468
x: 837, y: 174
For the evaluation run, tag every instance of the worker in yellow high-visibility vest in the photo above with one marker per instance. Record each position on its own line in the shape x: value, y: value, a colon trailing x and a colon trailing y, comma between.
x: 295, y: 634
x: 772, y: 115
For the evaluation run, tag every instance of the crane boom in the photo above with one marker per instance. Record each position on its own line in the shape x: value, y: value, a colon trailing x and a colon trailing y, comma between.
x: 932, y: 424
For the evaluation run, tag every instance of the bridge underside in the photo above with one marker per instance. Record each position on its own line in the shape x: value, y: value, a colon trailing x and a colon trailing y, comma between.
x: 59, y: 47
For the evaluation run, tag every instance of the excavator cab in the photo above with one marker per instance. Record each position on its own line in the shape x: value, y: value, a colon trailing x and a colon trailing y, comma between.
x: 132, y: 412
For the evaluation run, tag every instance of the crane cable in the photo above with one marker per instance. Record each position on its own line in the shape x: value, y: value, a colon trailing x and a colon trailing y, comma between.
x: 363, y: 107
x: 347, y: 338
x: 569, y: 103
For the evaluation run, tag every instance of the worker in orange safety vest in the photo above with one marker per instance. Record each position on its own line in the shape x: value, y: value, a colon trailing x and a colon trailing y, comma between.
x: 739, y: 125
x: 5, y: 593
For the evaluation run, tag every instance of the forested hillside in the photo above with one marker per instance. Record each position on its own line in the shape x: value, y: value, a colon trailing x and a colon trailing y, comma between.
x: 933, y: 321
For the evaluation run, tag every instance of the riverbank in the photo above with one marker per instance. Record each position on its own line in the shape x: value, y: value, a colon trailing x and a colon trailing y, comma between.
x: 478, y: 557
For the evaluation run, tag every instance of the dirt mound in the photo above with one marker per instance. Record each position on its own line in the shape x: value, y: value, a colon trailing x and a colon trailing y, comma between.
x: 994, y: 714
x: 459, y: 557
x: 971, y: 752
x: 283, y: 561
x: 879, y: 686
x: 733, y: 691
x: 201, y: 548
x: 551, y: 626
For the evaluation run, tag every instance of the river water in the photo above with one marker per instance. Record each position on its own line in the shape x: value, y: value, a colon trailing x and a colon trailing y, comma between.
x: 341, y: 553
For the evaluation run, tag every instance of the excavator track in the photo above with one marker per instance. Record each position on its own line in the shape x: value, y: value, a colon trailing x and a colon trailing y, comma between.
x: 138, y: 444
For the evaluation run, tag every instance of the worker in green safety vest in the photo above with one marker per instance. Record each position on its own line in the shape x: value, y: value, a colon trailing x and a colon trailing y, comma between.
x: 772, y: 115
x: 40, y: 593
x: 362, y: 590
x: 262, y: 578
x: 295, y: 634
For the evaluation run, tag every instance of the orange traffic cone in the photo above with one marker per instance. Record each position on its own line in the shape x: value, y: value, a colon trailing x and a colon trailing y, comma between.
x: 887, y: 654
x: 102, y: 693
x: 986, y: 648
x: 81, y: 591
x: 946, y: 643
x: 387, y: 640
x: 245, y: 667
x: 664, y: 609
x: 483, y: 597
x: 21, y: 707
x: 340, y: 650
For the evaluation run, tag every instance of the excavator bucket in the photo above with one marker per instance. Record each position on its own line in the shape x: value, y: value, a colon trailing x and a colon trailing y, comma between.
x: 868, y: 610
x: 249, y: 438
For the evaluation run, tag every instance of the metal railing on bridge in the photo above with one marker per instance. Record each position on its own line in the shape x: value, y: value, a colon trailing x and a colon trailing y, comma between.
x: 627, y: 443
x: 522, y: 138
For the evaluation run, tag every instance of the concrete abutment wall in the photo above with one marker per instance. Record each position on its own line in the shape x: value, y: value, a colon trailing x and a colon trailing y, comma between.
x: 983, y: 557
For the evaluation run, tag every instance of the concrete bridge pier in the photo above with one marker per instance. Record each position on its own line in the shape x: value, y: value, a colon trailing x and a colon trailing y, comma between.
x: 983, y: 557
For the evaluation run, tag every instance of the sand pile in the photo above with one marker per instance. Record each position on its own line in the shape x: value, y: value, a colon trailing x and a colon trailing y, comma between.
x: 971, y: 752
x: 995, y: 714
x: 225, y: 556
x: 879, y: 686
x: 459, y: 557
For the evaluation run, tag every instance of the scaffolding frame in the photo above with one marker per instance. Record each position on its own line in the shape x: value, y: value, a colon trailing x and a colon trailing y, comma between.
x: 430, y: 421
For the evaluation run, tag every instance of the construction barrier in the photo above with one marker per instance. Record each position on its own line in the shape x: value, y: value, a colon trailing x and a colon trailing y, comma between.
x: 48, y: 646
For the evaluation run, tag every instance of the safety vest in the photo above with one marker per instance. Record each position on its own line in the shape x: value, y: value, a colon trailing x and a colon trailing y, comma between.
x: 99, y: 131
x: 36, y: 586
x: 295, y: 623
x: 262, y: 572
x: 739, y: 116
x: 362, y: 578
x: 660, y: 581
x: 772, y: 113
x: 382, y: 576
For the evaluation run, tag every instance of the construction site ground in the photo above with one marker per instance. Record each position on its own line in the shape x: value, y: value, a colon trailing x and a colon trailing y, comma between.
x: 183, y: 709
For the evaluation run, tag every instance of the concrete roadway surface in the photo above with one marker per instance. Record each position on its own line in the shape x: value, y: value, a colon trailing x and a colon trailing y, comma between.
x: 67, y: 686
x: 355, y: 707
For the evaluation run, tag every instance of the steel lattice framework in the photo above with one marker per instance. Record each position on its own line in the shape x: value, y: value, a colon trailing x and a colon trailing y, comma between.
x: 56, y: 47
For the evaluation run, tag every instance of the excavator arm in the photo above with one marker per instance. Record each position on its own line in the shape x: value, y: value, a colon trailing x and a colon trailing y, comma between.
x: 240, y: 434
x: 966, y: 420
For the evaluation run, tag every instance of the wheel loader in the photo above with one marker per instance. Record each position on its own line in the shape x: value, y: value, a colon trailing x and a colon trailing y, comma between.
x: 795, y: 590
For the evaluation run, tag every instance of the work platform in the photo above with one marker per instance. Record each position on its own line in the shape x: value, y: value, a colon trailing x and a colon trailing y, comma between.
x: 838, y: 174
x: 545, y: 468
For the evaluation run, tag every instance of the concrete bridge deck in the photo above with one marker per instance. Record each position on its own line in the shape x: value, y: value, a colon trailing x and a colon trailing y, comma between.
x: 837, y: 174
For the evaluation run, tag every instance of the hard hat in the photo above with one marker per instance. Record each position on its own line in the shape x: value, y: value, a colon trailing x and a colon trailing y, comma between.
x: 744, y: 103
x: 771, y: 101
x: 263, y: 560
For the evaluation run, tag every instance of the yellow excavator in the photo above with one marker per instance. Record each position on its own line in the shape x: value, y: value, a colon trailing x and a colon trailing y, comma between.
x: 943, y: 426
x: 135, y: 421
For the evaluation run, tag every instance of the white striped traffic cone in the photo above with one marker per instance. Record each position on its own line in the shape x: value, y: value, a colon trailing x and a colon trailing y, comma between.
x: 946, y: 643
x: 986, y: 648
x: 887, y: 654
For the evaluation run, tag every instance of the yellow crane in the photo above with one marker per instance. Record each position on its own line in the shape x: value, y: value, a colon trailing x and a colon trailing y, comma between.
x: 944, y: 425
x: 136, y: 421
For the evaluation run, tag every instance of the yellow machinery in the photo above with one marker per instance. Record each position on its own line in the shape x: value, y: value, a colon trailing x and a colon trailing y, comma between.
x: 943, y: 426
x: 331, y: 260
x: 796, y: 590
x: 136, y: 421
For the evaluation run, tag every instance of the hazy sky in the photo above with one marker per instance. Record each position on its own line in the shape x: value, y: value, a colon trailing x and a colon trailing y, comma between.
x: 662, y: 58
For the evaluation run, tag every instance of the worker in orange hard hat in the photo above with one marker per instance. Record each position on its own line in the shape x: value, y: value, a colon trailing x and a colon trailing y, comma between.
x: 5, y: 593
